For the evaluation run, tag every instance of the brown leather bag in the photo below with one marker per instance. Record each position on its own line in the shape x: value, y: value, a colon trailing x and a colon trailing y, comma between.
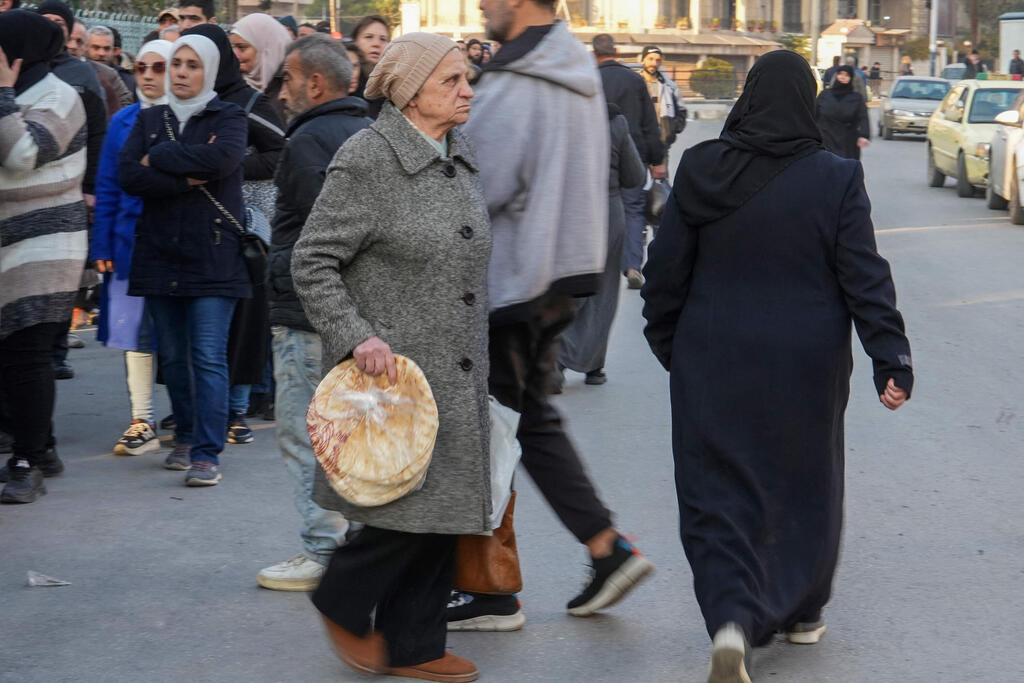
x: 490, y: 564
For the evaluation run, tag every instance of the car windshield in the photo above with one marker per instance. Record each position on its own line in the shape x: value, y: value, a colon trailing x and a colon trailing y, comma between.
x: 920, y: 90
x: 954, y: 71
x: 988, y: 103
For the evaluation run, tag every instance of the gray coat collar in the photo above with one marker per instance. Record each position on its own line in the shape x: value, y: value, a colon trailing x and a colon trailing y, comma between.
x: 413, y: 152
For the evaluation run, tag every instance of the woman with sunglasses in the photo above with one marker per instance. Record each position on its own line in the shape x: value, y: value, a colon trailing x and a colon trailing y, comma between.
x: 124, y: 322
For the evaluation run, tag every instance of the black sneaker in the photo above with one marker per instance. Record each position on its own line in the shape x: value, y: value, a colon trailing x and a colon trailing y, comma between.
x: 238, y: 429
x: 482, y: 612
x: 611, y: 579
x: 596, y: 377
x: 63, y: 370
x: 50, y: 466
x: 25, y: 485
x: 168, y: 423
x: 6, y: 443
x: 203, y: 473
x: 139, y: 438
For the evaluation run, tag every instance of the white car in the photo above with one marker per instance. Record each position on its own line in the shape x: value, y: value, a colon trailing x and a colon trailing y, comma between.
x: 1003, y: 155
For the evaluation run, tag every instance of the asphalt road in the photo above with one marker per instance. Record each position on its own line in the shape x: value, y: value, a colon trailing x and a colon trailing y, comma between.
x: 163, y: 576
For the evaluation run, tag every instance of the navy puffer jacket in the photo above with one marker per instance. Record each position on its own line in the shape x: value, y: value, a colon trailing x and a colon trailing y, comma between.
x: 184, y: 246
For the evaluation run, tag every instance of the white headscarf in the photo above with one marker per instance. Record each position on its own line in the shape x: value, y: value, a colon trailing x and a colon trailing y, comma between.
x: 210, y: 57
x: 163, y: 49
x: 271, y: 39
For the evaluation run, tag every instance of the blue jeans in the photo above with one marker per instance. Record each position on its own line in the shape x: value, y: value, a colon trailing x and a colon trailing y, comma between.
x: 297, y: 372
x: 238, y: 398
x: 192, y: 335
x: 633, y: 202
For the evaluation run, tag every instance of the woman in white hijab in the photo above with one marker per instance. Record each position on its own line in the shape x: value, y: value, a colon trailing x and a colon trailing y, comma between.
x: 184, y: 159
x: 259, y: 41
x: 124, y: 323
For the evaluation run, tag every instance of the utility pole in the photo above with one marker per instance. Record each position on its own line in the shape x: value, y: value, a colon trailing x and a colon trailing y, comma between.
x: 933, y: 29
x: 815, y: 30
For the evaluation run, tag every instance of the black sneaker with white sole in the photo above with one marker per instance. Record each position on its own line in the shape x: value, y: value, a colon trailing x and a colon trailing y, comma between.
x: 482, y: 612
x: 238, y: 429
x: 25, y: 484
x: 611, y: 579
x: 139, y: 438
x: 50, y: 465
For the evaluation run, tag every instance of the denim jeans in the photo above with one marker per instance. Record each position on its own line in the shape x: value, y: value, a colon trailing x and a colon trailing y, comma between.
x: 192, y: 335
x: 238, y: 399
x: 633, y: 202
x: 297, y: 372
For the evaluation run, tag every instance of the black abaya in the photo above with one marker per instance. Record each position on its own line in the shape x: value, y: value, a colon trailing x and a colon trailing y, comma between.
x: 842, y: 116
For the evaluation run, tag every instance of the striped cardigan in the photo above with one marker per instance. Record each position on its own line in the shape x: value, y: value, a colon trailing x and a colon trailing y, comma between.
x: 43, y: 240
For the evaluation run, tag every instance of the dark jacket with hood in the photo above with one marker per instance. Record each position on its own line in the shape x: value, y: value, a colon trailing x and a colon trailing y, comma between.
x: 266, y: 129
x: 626, y: 89
x: 314, y: 137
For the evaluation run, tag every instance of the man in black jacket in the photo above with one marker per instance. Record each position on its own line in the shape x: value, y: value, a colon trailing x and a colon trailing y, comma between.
x: 315, y: 91
x: 626, y: 89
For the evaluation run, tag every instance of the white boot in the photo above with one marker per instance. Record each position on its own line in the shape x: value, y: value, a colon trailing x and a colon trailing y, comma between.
x: 298, y: 573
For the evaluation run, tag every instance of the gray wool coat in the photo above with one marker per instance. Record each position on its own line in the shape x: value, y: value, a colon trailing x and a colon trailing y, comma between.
x: 397, y: 246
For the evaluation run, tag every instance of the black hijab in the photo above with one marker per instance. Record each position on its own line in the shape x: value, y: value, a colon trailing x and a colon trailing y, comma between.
x: 228, y: 73
x: 33, y: 39
x: 839, y: 89
x: 770, y: 127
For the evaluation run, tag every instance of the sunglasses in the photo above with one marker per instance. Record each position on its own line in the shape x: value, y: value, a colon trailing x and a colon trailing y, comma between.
x: 157, y: 67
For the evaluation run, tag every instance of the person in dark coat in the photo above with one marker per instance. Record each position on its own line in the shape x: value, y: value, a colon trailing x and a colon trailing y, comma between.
x: 187, y: 260
x: 842, y: 115
x: 249, y: 342
x: 765, y: 255
x: 585, y: 343
x: 371, y: 35
x: 317, y: 80
x: 1016, y: 64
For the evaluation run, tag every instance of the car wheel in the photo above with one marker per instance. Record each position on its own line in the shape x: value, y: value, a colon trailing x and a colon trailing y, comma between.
x: 936, y: 178
x: 1016, y: 210
x: 886, y: 132
x: 963, y: 185
x: 992, y: 200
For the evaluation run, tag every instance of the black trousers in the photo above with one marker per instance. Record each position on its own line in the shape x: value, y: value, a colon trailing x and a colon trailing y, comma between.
x: 407, y: 578
x: 27, y: 388
x: 523, y: 368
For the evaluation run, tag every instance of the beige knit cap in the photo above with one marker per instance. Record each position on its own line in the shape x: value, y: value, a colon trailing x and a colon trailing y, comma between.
x: 405, y: 66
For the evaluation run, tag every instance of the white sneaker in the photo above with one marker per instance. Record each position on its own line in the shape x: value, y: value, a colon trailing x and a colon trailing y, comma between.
x: 729, y: 655
x: 298, y: 573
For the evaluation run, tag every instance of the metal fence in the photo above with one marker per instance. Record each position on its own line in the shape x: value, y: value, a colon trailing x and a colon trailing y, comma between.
x: 132, y: 27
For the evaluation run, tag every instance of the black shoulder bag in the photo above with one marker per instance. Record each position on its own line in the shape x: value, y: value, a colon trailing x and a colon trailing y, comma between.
x: 254, y: 251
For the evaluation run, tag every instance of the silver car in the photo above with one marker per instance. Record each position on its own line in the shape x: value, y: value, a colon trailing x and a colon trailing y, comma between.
x: 910, y: 104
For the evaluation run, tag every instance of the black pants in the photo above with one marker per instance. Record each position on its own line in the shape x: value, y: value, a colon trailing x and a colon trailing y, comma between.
x: 523, y: 367
x: 406, y: 577
x: 28, y: 388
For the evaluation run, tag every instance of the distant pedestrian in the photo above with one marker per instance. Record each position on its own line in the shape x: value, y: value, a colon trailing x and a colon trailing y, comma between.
x: 43, y: 243
x: 842, y: 115
x: 124, y: 322
x: 585, y: 343
x: 974, y: 65
x: 384, y: 266
x: 765, y: 255
x: 1016, y: 64
x: 187, y: 260
x: 316, y: 86
x: 875, y: 77
x: 475, y: 52
x: 306, y: 29
x: 830, y: 72
x: 371, y: 35
x: 627, y: 90
x: 906, y: 68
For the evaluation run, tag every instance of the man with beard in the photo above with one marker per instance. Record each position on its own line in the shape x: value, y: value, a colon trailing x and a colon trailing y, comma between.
x: 540, y: 128
x: 314, y: 91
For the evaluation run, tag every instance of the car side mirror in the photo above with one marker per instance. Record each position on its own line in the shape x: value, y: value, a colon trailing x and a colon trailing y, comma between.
x: 1010, y: 117
x: 953, y: 114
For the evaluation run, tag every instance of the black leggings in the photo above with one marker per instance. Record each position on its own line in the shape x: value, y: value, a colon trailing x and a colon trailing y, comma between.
x: 27, y: 388
x: 406, y: 577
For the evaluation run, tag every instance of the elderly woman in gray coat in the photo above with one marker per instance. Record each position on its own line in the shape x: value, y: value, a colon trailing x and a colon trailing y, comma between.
x: 393, y: 259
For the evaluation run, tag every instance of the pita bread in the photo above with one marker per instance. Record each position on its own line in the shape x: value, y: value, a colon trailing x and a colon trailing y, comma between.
x: 373, y: 440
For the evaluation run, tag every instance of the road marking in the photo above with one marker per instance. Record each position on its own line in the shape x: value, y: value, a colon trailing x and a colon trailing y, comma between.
x: 165, y: 440
x: 994, y: 298
x: 924, y: 228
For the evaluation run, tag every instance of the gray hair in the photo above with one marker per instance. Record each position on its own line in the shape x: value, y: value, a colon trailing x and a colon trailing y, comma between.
x: 100, y: 31
x: 168, y: 29
x: 321, y: 54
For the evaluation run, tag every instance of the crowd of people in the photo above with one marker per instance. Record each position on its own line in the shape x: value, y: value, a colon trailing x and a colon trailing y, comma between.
x: 264, y: 202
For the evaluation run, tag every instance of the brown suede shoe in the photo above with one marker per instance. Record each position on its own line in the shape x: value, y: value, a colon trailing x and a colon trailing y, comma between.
x: 450, y: 668
x: 368, y: 654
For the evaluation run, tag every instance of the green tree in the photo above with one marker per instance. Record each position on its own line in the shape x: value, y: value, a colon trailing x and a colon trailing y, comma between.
x: 715, y: 79
x: 797, y: 43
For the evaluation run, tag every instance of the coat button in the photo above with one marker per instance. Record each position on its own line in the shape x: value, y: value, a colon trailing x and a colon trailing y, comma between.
x: 174, y: 284
x: 216, y: 220
x: 469, y: 298
x: 466, y: 364
x: 466, y: 232
x: 449, y: 170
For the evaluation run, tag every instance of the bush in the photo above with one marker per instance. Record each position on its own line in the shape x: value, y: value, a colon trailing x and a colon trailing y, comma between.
x: 797, y: 43
x: 715, y: 79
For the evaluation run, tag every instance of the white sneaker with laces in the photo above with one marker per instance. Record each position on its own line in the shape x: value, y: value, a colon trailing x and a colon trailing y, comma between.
x: 298, y: 573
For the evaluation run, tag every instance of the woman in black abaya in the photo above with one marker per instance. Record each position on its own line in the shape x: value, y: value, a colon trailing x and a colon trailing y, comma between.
x: 842, y: 116
x: 765, y: 255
